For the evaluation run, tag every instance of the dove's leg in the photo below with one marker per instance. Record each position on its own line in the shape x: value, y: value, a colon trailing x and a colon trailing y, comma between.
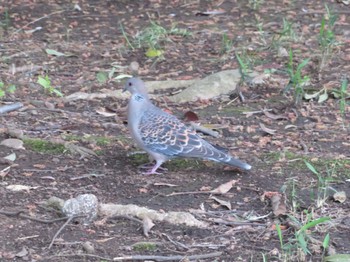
x: 150, y: 165
x: 153, y: 171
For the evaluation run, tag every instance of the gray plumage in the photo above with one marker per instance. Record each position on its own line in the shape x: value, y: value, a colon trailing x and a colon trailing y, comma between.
x: 163, y: 136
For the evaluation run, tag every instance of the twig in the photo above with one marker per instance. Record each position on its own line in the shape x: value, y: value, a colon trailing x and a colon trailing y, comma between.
x: 168, y: 258
x: 176, y: 243
x: 86, y: 176
x: 80, y: 255
x: 36, y: 20
x: 60, y: 230
x: 204, y: 130
x: 11, y: 107
x: 256, y: 112
x: 19, y: 214
x: 196, y: 193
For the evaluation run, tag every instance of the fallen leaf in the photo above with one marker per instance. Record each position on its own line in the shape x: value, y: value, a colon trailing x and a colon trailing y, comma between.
x: 54, y: 52
x: 19, y: 188
x: 273, y: 116
x: 165, y: 184
x: 147, y: 225
x: 340, y: 196
x: 190, y: 116
x: 224, y: 203
x: 5, y: 171
x: 224, y: 188
x: 22, y: 253
x: 267, y: 130
x: 278, y: 205
x: 104, y: 112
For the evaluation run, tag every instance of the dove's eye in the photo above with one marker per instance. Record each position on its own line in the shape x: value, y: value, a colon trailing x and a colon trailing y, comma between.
x: 130, y: 84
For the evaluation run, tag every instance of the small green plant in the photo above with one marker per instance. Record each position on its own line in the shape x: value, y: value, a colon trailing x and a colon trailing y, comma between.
x: 5, y: 22
x: 6, y: 89
x: 226, y: 44
x: 326, y: 38
x: 116, y: 73
x: 302, y: 236
x: 296, y: 80
x: 342, y: 94
x: 154, y: 36
x: 45, y: 82
x: 255, y: 4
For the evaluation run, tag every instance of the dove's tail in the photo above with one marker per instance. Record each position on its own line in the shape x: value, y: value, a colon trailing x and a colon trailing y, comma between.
x: 238, y: 163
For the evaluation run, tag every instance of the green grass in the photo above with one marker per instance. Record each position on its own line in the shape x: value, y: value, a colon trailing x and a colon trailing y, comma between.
x: 297, y: 81
x: 326, y: 38
x: 144, y: 246
x: 153, y: 38
x: 42, y: 146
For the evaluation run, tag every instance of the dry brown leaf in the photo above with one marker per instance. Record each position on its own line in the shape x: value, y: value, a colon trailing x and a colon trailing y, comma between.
x: 224, y: 203
x: 273, y: 116
x: 266, y: 129
x: 5, y: 171
x: 224, y: 188
x: 340, y: 196
x: 278, y: 204
x: 165, y: 184
x: 147, y: 225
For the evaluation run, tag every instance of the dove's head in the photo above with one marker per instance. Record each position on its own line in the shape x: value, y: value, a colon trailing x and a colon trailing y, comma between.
x: 136, y: 86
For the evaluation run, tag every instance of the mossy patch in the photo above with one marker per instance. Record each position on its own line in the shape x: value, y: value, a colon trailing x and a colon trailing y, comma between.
x: 144, y: 246
x: 42, y: 146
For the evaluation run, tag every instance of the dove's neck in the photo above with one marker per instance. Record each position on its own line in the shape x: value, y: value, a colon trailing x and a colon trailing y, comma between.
x: 136, y: 109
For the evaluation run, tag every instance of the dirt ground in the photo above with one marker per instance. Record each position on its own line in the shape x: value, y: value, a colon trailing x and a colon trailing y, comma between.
x: 240, y: 224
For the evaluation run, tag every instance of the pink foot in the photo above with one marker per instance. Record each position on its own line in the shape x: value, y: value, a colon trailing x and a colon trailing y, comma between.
x: 150, y: 166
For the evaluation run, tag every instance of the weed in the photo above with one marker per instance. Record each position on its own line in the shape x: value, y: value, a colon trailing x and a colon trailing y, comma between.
x: 342, y: 94
x: 154, y: 36
x: 45, y: 82
x: 126, y: 37
x: 326, y: 38
x: 11, y: 88
x: 5, y: 22
x: 302, y: 236
x: 255, y: 4
x: 296, y: 80
x: 144, y: 246
x: 104, y: 77
x: 244, y: 62
x: 226, y: 44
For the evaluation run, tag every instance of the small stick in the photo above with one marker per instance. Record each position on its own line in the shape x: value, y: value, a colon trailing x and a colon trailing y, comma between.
x: 168, y: 258
x: 60, y: 230
x: 204, y: 130
x: 256, y: 112
x: 36, y: 20
x: 19, y: 214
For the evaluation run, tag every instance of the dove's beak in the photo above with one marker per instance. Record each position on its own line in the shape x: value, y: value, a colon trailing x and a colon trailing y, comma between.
x: 124, y: 89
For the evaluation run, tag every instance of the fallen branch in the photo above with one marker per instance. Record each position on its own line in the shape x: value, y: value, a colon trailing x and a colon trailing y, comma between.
x: 60, y: 230
x: 168, y: 258
x: 11, y: 107
x: 21, y: 215
x: 175, y: 218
